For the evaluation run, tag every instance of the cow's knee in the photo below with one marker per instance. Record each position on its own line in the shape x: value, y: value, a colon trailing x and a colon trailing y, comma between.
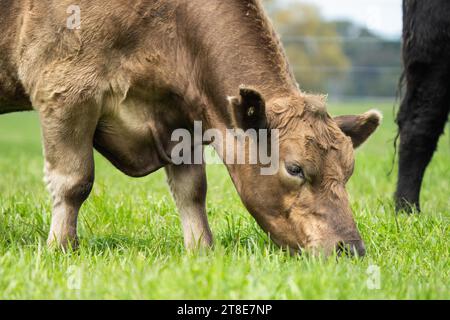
x: 70, y: 185
x: 68, y: 193
x: 77, y: 189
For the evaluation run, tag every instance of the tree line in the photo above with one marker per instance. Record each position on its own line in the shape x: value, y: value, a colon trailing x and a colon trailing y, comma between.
x: 338, y: 57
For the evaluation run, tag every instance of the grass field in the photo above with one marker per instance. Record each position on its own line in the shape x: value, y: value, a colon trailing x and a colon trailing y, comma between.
x: 132, y: 247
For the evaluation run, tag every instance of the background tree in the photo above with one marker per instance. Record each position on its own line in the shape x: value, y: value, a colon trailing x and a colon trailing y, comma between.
x: 337, y: 57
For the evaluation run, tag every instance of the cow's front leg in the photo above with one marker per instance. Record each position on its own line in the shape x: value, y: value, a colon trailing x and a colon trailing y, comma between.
x: 188, y: 186
x: 69, y: 167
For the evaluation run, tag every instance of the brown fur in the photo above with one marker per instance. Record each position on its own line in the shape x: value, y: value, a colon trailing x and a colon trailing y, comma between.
x: 137, y: 70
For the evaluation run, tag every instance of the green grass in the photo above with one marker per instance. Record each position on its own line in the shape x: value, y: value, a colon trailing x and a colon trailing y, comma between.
x: 132, y: 247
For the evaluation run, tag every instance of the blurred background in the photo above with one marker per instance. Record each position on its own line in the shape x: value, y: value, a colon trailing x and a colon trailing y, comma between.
x: 350, y: 49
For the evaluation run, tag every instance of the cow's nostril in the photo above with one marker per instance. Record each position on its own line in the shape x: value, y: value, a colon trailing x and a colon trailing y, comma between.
x: 360, y: 249
x: 341, y: 249
x: 351, y: 248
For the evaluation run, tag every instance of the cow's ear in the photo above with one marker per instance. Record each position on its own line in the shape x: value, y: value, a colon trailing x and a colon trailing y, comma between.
x: 248, y: 110
x: 360, y: 127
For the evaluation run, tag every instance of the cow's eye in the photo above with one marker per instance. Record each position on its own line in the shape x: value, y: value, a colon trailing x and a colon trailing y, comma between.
x: 295, y: 171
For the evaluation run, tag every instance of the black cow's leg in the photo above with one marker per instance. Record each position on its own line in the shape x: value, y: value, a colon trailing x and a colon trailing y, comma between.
x: 422, y: 118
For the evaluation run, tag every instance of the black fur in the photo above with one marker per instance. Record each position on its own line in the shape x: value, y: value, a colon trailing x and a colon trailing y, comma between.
x: 425, y: 107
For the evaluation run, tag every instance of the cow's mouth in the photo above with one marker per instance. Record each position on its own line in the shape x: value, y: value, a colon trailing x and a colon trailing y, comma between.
x: 293, y: 251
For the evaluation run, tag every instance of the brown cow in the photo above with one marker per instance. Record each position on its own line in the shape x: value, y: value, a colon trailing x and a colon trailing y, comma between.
x: 129, y: 73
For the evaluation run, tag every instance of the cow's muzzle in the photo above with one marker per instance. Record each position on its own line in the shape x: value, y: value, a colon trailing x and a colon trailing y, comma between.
x: 352, y: 248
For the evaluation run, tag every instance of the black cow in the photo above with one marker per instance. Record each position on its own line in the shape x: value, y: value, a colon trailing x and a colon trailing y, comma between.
x: 425, y: 107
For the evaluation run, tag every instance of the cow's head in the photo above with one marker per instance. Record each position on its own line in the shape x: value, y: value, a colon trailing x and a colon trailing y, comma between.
x: 305, y: 204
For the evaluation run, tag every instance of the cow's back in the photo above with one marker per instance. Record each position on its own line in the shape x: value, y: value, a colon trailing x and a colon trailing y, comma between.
x: 116, y: 39
x: 12, y: 94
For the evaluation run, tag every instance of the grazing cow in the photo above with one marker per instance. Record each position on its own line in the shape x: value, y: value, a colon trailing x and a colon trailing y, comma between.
x: 425, y: 107
x: 131, y: 72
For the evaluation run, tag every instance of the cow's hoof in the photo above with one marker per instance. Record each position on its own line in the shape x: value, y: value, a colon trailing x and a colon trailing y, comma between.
x: 405, y: 206
x: 203, y: 246
x: 65, y: 245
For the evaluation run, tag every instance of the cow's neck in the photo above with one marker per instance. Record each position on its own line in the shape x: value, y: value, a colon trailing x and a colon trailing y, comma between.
x: 232, y: 43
